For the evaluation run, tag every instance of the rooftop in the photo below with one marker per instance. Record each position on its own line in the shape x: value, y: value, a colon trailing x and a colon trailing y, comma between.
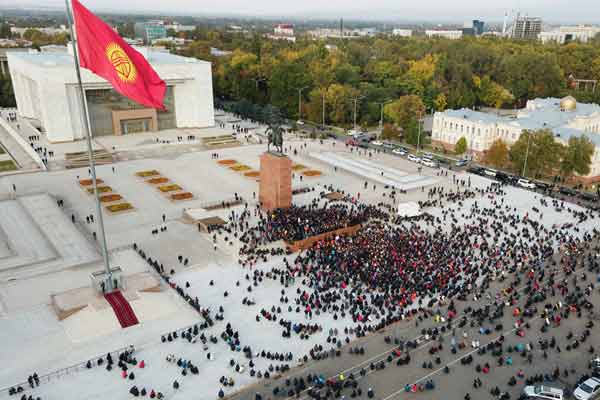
x: 538, y: 114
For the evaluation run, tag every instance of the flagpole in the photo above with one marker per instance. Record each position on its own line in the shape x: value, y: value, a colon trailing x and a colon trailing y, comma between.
x: 109, y: 283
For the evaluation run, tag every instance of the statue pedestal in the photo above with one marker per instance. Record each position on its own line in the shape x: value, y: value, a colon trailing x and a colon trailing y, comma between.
x: 275, y: 188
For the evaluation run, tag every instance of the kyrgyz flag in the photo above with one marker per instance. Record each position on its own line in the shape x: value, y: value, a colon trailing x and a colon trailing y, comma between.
x: 102, y: 51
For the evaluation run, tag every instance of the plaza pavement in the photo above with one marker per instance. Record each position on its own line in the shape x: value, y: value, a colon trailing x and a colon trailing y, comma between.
x: 41, y: 344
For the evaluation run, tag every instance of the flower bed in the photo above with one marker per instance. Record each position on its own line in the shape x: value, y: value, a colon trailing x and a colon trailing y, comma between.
x: 298, y: 167
x: 169, y: 188
x: 227, y: 162
x: 240, y: 168
x: 158, y: 181
x: 114, y: 208
x: 311, y: 172
x: 182, y: 196
x: 146, y: 174
x: 107, y: 198
x: 88, y: 182
x: 101, y: 189
x: 252, y: 174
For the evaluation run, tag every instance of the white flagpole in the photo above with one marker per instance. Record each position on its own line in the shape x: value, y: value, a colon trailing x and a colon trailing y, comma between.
x: 109, y: 281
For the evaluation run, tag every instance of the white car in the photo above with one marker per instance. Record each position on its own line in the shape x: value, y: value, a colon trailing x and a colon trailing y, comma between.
x: 588, y: 390
x: 377, y: 143
x: 542, y: 392
x: 526, y: 184
x: 300, y: 122
x: 428, y: 162
x: 413, y: 158
x: 489, y: 172
x: 399, y: 151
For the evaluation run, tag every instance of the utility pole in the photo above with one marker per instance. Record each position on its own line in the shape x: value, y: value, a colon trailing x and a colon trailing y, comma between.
x: 355, y: 106
x: 300, y: 102
x: 419, y: 134
x: 323, y: 94
x: 526, y: 154
x: 382, y: 104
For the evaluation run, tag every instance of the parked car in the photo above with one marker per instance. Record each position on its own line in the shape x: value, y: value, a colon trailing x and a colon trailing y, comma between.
x: 542, y: 392
x: 588, y: 390
x: 428, y: 162
x: 567, y: 191
x: 542, y: 185
x: 399, y: 151
x: 475, y: 170
x: 388, y: 145
x: 504, y: 177
x: 352, y: 142
x: 413, y: 158
x: 377, y: 143
x: 489, y: 172
x: 526, y: 183
x: 589, y: 196
x: 461, y: 163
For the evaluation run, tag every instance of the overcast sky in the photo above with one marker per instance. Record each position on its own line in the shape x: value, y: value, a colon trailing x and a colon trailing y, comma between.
x: 587, y: 11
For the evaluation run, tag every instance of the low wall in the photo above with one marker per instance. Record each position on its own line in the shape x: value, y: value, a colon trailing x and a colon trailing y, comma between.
x: 23, y: 143
x: 308, y: 242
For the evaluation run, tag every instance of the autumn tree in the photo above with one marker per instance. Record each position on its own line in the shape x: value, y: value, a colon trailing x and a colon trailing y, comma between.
x: 461, y: 145
x: 577, y: 156
x: 497, y: 154
x: 537, y: 151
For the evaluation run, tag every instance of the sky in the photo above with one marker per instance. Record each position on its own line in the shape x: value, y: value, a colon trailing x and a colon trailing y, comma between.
x: 584, y: 11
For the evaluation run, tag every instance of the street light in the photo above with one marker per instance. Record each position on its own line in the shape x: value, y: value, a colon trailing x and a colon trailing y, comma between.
x: 355, y: 104
x: 419, y: 134
x: 382, y: 104
x: 526, y: 154
x: 300, y: 102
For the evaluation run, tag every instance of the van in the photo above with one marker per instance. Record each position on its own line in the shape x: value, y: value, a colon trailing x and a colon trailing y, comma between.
x: 413, y: 158
x: 540, y: 392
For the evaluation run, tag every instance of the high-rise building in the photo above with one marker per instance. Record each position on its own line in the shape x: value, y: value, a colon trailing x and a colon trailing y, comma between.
x: 527, y: 28
x: 478, y: 27
x: 150, y: 30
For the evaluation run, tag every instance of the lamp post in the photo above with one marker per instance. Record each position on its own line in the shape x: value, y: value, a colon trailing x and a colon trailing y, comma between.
x: 382, y: 104
x: 355, y: 105
x: 300, y: 102
x: 323, y: 125
x: 526, y: 154
x: 419, y: 133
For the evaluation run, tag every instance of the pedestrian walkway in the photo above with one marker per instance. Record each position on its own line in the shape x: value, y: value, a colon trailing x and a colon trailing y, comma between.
x: 19, y: 155
x: 122, y: 309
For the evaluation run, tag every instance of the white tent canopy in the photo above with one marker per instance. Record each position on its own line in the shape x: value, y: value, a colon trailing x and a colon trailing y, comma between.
x: 409, y: 209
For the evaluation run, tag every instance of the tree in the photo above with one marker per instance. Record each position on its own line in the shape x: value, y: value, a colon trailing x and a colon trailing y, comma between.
x: 544, y: 153
x: 497, y: 154
x: 461, y: 145
x: 405, y: 111
x: 390, y: 132
x: 577, y: 156
x: 7, y: 97
x: 440, y: 103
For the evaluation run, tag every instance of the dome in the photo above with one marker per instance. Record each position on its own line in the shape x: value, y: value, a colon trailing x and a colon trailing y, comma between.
x: 568, y: 103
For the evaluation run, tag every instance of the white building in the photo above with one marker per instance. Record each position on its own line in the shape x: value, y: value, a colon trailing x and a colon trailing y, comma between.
x: 47, y: 94
x: 566, y: 34
x: 177, y: 27
x: 565, y: 117
x: 402, y: 32
x: 453, y: 35
x: 47, y: 30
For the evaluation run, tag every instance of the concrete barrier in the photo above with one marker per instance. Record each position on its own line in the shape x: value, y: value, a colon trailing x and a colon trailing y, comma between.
x: 23, y: 143
x: 310, y: 241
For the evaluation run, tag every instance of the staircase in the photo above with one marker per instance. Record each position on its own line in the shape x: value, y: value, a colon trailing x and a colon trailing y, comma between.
x: 122, y: 308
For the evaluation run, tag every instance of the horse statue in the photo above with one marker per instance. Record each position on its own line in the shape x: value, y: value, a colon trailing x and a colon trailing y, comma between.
x: 275, y: 135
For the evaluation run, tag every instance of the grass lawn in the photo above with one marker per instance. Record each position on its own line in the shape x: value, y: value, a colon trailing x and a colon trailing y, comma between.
x: 7, y: 165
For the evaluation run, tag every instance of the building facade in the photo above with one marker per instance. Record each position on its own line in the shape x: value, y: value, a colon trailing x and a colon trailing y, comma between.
x: 47, y: 95
x: 150, y: 30
x: 564, y: 117
x: 566, y: 34
x: 453, y: 35
x: 526, y: 28
x: 402, y: 32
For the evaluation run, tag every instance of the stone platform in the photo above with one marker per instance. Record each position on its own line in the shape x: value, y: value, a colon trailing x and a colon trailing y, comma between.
x: 275, y: 187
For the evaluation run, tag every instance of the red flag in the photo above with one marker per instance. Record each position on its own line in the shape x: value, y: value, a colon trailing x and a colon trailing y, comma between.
x: 105, y: 53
